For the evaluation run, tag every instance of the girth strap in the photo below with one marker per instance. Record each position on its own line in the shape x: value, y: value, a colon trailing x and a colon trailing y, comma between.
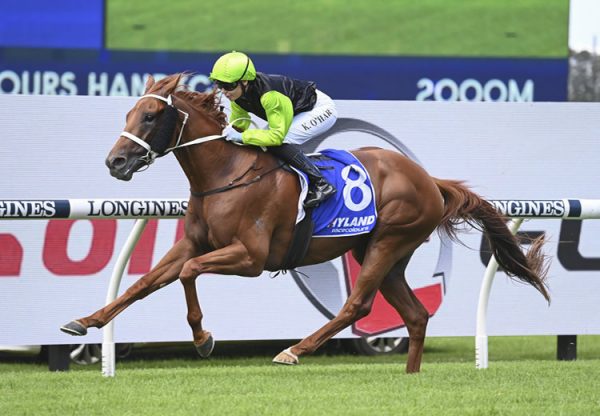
x: 300, y: 242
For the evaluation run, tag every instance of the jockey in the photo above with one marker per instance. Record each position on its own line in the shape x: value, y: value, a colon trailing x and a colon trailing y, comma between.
x: 295, y: 111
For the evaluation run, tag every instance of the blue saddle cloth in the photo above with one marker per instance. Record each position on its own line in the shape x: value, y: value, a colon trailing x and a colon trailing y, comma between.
x: 351, y: 210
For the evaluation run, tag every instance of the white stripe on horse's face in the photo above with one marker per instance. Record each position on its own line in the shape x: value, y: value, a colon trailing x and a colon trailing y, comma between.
x: 126, y: 158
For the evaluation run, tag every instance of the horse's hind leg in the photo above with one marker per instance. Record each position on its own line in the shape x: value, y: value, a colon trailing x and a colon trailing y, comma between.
x: 396, y: 291
x: 398, y: 294
x: 381, y: 255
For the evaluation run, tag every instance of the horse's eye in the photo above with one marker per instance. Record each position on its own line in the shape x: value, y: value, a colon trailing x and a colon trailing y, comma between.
x: 149, y: 118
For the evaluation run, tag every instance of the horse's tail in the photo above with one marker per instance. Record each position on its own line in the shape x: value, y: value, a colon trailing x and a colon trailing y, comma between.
x: 464, y: 206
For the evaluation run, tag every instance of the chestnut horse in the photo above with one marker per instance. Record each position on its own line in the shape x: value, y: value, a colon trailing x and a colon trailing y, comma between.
x: 242, y: 211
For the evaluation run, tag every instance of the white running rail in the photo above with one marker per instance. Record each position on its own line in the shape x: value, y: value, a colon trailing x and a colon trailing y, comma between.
x: 143, y: 209
x: 139, y: 209
x: 575, y: 209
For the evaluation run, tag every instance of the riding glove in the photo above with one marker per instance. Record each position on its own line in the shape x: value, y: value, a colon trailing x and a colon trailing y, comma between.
x: 232, y: 134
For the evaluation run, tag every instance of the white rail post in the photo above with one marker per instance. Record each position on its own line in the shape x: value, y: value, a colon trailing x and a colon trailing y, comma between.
x: 108, y: 343
x: 481, y: 339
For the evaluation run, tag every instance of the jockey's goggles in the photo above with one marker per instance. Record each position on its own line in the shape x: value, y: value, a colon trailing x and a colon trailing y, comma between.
x: 227, y: 86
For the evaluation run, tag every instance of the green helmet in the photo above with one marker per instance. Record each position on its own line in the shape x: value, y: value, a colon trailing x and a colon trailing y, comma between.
x: 232, y: 67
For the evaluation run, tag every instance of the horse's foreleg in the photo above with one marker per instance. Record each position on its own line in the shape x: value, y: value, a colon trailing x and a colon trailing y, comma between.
x: 165, y: 272
x: 230, y: 260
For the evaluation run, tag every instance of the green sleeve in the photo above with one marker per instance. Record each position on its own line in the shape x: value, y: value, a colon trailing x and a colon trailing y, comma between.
x: 280, y: 112
x: 238, y: 112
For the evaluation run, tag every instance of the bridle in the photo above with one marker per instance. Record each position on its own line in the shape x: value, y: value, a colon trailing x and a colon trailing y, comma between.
x: 151, y: 154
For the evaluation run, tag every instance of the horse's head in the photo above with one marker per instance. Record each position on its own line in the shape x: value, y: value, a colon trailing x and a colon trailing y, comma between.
x: 149, y: 129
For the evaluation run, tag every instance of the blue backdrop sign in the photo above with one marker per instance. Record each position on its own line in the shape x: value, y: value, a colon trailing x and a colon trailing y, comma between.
x: 102, y: 72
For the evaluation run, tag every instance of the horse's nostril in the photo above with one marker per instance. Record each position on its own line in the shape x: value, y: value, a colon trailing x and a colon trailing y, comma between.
x: 116, y: 162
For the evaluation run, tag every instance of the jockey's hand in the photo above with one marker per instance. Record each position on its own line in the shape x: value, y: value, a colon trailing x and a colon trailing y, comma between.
x: 232, y: 134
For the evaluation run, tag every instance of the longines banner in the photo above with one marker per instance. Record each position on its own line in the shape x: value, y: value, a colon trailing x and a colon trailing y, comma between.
x: 54, y: 270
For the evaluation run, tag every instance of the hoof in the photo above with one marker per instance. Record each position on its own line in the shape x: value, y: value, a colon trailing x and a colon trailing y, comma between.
x: 206, y: 349
x: 74, y: 328
x: 286, y: 357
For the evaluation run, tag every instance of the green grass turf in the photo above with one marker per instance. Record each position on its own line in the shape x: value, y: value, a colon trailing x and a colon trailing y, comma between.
x: 524, y: 28
x: 523, y: 379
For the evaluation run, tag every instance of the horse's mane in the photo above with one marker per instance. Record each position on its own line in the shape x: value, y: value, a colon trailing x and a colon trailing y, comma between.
x: 206, y: 102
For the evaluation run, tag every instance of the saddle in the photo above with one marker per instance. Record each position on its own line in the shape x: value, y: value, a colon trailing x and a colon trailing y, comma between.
x: 350, y: 211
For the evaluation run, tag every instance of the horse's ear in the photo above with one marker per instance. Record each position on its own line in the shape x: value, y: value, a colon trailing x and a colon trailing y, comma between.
x: 178, y: 81
x: 149, y: 82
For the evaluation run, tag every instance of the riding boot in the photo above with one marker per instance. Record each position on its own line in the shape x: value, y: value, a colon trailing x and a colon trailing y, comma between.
x: 320, y: 189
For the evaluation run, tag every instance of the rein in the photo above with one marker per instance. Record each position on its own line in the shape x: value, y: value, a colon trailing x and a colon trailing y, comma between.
x: 233, y: 184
